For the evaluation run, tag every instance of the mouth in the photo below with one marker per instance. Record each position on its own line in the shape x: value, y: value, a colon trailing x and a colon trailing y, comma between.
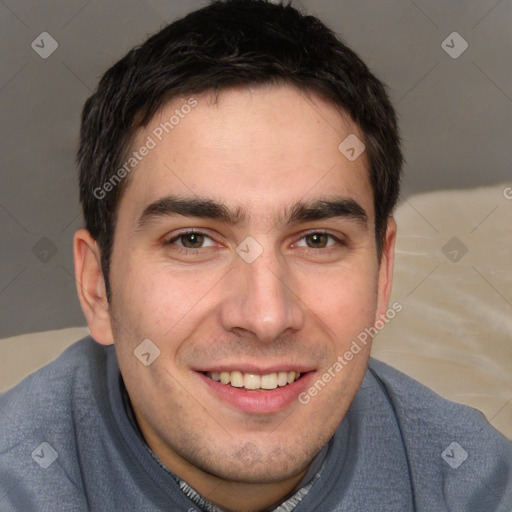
x: 253, y: 381
x: 261, y: 393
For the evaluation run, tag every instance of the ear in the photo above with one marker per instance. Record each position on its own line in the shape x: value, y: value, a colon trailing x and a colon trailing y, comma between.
x: 386, y: 269
x: 91, y: 287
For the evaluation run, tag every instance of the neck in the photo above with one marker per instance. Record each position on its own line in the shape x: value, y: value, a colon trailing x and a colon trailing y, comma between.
x: 239, y: 496
x: 226, y: 494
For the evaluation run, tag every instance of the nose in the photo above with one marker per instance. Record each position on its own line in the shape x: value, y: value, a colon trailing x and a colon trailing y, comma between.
x: 261, y: 301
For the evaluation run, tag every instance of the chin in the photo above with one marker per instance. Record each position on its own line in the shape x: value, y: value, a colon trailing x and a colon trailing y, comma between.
x: 254, y: 465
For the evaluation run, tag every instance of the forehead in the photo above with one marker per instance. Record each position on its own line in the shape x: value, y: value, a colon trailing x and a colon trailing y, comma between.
x: 259, y: 148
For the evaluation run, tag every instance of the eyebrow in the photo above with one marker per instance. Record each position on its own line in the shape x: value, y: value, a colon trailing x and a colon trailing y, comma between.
x: 189, y: 207
x: 303, y: 211
x: 339, y: 207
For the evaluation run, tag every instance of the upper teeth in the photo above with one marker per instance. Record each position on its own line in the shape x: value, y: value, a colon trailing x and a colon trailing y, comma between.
x: 253, y: 381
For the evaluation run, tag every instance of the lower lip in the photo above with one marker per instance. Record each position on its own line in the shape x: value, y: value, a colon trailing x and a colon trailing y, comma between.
x: 259, y: 402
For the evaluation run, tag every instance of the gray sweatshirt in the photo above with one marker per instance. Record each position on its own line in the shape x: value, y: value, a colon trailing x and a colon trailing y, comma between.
x: 68, y: 442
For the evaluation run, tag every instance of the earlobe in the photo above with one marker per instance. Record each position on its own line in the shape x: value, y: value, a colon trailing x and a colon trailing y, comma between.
x: 91, y: 286
x: 386, y: 269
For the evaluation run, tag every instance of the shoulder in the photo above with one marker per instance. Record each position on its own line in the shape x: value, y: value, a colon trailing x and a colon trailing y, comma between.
x: 40, y: 419
x: 417, y: 406
x: 54, y: 381
x: 449, y: 446
x: 51, y: 391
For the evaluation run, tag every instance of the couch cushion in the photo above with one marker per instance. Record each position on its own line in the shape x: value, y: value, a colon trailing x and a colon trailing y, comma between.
x: 21, y: 355
x: 453, y: 277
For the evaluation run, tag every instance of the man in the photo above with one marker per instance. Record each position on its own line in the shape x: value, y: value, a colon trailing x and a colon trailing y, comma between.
x: 238, y: 173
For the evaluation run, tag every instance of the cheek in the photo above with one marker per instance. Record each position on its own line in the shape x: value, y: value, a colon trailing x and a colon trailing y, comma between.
x: 345, y: 300
x: 155, y: 301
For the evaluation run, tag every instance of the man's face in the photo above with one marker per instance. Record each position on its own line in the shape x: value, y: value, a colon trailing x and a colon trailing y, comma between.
x: 275, y: 281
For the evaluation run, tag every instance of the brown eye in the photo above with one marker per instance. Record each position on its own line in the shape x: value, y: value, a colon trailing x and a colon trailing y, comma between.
x: 317, y: 240
x: 192, y: 240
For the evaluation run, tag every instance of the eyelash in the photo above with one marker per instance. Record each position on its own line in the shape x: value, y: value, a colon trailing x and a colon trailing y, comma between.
x: 188, y: 250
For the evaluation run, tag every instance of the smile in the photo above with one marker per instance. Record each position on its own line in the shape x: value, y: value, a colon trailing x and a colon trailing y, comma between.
x: 253, y: 381
x: 257, y: 393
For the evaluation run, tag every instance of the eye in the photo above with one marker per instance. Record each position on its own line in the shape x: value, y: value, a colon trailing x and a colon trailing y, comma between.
x: 318, y: 240
x: 192, y: 240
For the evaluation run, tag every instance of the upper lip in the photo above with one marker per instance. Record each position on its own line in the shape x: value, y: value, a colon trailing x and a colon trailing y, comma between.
x: 256, y: 369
